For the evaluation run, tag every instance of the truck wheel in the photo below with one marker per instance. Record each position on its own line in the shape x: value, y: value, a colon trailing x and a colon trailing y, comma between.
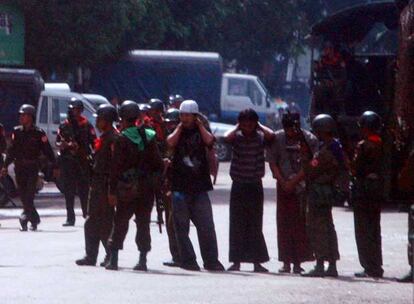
x: 223, y: 151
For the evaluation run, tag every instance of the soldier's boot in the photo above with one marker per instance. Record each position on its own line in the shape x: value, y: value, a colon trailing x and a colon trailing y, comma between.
x: 33, y: 226
x: 259, y: 268
x: 106, y: 260
x: 86, y: 261
x: 317, y: 272
x: 142, y: 263
x: 113, y: 260
x: 332, y: 271
x: 408, y: 278
x: 23, y: 224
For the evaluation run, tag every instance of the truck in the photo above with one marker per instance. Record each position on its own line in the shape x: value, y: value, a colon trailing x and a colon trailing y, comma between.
x: 144, y: 74
x: 354, y: 69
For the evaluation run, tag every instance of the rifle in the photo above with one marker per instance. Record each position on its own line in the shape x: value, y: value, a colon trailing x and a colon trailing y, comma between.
x: 85, y: 152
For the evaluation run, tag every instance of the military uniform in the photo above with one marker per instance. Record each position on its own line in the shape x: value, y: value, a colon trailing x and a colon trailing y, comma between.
x: 99, y: 221
x: 321, y: 173
x: 25, y: 150
x: 75, y: 165
x: 367, y: 199
x: 136, y: 159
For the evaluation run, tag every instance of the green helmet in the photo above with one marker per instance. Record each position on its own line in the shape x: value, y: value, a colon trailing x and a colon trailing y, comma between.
x: 370, y: 120
x: 323, y: 123
x: 107, y: 112
x: 172, y: 115
x: 129, y: 110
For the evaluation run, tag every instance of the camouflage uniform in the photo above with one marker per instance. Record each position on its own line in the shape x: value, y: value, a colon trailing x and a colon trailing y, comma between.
x: 321, y: 173
x: 367, y: 199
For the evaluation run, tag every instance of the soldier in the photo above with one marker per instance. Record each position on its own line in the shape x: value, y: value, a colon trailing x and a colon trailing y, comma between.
x: 75, y: 139
x: 175, y: 101
x: 136, y: 156
x: 367, y: 195
x: 27, y: 143
x: 98, y: 223
x: 172, y: 119
x: 406, y: 184
x: 321, y: 173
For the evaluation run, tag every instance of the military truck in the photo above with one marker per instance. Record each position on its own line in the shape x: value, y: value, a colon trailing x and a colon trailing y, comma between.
x: 354, y: 70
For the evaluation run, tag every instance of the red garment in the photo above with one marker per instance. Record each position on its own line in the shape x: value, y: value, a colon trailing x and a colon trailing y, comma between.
x: 293, y: 242
x: 98, y: 144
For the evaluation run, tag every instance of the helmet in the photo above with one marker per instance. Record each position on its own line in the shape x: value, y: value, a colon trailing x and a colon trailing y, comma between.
x: 176, y: 99
x: 75, y: 103
x: 172, y: 115
x: 324, y: 123
x: 129, y: 110
x: 27, y: 109
x: 370, y: 120
x: 144, y: 107
x: 157, y: 105
x: 107, y: 112
x: 189, y: 107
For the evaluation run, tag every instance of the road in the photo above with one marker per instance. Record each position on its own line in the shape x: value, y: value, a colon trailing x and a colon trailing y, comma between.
x: 38, y: 267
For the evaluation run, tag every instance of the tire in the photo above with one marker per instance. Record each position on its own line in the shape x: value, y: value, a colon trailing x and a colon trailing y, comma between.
x: 223, y: 151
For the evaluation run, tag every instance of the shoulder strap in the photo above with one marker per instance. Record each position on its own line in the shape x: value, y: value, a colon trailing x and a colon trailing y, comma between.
x: 143, y: 135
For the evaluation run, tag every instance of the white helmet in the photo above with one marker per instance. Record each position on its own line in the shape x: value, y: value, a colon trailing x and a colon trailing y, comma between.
x: 189, y: 107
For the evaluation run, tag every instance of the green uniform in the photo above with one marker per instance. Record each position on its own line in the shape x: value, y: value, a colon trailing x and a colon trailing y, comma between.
x: 321, y: 173
x: 367, y: 199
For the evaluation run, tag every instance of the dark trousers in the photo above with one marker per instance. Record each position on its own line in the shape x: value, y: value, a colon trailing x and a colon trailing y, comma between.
x: 368, y: 238
x: 197, y: 208
x: 26, y: 178
x: 172, y: 240
x: 141, y: 206
x: 98, y: 224
x: 247, y: 243
x: 410, y: 249
x: 322, y: 234
x: 76, y: 180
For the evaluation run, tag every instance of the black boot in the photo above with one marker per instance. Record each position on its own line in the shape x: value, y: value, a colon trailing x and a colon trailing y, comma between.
x: 113, y: 260
x: 332, y: 271
x: 142, y: 263
x: 68, y: 223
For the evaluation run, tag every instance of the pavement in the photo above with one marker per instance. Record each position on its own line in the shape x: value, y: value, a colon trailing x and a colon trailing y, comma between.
x: 38, y: 267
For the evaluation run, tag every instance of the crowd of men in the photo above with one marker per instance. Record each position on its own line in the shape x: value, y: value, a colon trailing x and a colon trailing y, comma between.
x: 164, y: 153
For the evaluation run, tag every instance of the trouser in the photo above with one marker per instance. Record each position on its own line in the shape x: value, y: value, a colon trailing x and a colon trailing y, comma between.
x: 76, y: 180
x: 99, y: 221
x: 368, y: 237
x: 197, y: 208
x: 247, y: 242
x: 172, y: 240
x: 140, y: 205
x: 322, y: 234
x: 411, y: 237
x: 26, y: 178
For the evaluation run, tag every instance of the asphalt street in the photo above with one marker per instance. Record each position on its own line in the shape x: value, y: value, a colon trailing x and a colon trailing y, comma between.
x: 38, y: 267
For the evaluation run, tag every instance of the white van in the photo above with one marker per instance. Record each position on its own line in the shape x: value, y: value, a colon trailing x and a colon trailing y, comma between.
x: 242, y: 91
x: 53, y: 107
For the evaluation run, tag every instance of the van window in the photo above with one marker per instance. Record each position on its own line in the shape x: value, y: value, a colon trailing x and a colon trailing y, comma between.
x: 255, y: 94
x: 237, y: 87
x: 59, y: 110
x: 43, y: 110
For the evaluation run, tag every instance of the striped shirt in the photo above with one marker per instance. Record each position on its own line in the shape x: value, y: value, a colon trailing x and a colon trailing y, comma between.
x: 248, y: 162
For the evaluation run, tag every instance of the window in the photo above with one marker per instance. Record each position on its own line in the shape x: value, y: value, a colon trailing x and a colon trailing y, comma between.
x: 237, y: 87
x: 255, y: 94
x: 43, y: 110
x: 59, y: 110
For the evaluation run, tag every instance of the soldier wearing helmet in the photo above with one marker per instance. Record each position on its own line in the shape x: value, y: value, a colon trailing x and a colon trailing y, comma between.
x: 136, y: 159
x: 321, y: 171
x: 367, y: 172
x: 75, y: 140
x: 99, y: 220
x: 176, y: 100
x: 28, y: 142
